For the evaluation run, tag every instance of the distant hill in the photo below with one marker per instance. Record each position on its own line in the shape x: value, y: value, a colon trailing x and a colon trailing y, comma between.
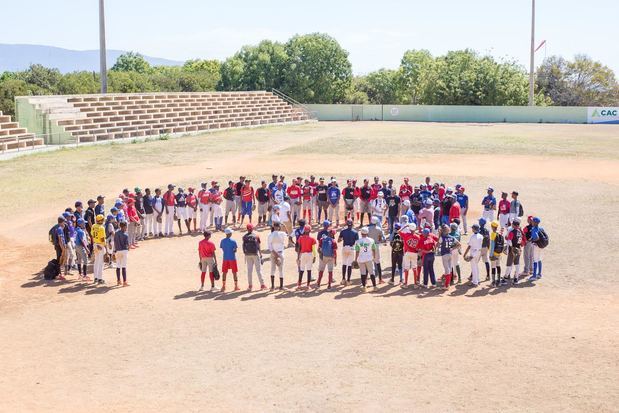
x: 14, y: 57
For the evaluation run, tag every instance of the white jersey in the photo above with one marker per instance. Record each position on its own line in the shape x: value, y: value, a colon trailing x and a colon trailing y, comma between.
x: 284, y: 209
x: 276, y: 241
x: 365, y: 247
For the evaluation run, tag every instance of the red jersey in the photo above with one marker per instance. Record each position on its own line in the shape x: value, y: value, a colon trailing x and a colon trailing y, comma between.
x: 294, y: 191
x: 247, y: 193
x: 357, y: 192
x: 428, y: 243
x: 441, y: 193
x: 204, y: 196
x: 215, y: 197
x: 504, y: 205
x: 517, y: 234
x: 412, y: 242
x: 454, y: 211
x: 306, y: 243
x: 375, y: 189
x: 405, y: 191
x: 308, y: 192
x: 206, y: 249
x: 169, y: 198
x: 132, y: 214
x: 191, y: 200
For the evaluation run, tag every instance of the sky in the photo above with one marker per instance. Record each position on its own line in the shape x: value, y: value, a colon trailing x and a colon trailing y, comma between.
x: 375, y: 33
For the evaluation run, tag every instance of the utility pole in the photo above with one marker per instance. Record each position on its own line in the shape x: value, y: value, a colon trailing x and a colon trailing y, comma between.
x: 102, y: 49
x: 532, y: 69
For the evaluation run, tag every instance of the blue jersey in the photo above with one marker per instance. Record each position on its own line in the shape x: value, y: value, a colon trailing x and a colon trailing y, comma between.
x: 327, y: 246
x: 488, y: 202
x: 463, y: 200
x: 322, y: 233
x: 535, y: 233
x: 60, y: 234
x: 333, y: 194
x: 80, y: 237
x: 298, y: 232
x: 425, y: 194
x: 446, y: 244
x: 349, y: 236
x: 228, y: 246
x: 411, y: 216
x: 99, y: 209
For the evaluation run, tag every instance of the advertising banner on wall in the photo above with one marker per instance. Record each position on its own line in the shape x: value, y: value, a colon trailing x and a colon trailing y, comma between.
x: 603, y: 115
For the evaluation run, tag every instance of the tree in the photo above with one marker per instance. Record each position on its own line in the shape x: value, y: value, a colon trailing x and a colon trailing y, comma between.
x: 417, y: 76
x: 258, y: 67
x: 582, y: 82
x: 79, y: 83
x: 318, y: 69
x: 131, y: 62
x: 129, y: 82
x: 382, y: 87
x: 44, y: 78
x: 231, y: 74
x: 10, y: 88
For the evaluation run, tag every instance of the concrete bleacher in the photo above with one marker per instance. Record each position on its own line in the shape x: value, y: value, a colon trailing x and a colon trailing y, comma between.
x: 92, y: 118
x: 12, y: 136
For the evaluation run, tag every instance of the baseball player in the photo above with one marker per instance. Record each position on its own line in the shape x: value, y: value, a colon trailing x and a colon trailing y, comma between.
x: 348, y: 237
x: 455, y: 253
x: 253, y: 257
x: 149, y: 214
x: 98, y: 239
x: 237, y: 195
x: 229, y: 247
x: 169, y: 200
x: 327, y: 250
x: 527, y: 251
x: 537, y: 249
x: 263, y: 198
x: 489, y: 204
x: 348, y: 194
x: 247, y: 197
x: 485, y: 247
x: 515, y: 207
x: 295, y: 193
x: 428, y: 247
x: 134, y: 220
x: 230, y: 207
x: 378, y: 207
x: 333, y: 195
x: 376, y: 233
x: 276, y: 243
x: 393, y: 211
x: 208, y: 260
x: 503, y: 210
x: 397, y: 253
x: 473, y: 253
x: 497, y: 246
x: 215, y: 200
x: 405, y: 193
x: 192, y: 209
x: 306, y: 255
x: 365, y: 193
x: 121, y: 251
x: 308, y: 195
x: 463, y: 201
x: 515, y: 241
x: 412, y: 246
x: 322, y: 199
x: 446, y: 245
x: 82, y: 242
x: 365, y: 256
x: 158, y: 210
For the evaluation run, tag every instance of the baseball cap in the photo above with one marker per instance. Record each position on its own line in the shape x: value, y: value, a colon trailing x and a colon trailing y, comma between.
x: 349, y: 221
x: 307, y: 228
x: 364, y: 230
x: 113, y: 210
x: 397, y: 225
x: 326, y: 223
x: 80, y: 222
x: 91, y: 201
x: 406, y: 202
x: 190, y: 189
x: 99, y: 218
x: 412, y: 226
x: 514, y: 192
x: 494, y: 224
x: 453, y: 226
x: 78, y: 204
x: 537, y: 220
x: 426, y: 231
x: 516, y: 221
x: 100, y: 197
x: 381, y: 195
x: 228, y: 231
x: 61, y: 219
x: 66, y: 214
x: 482, y: 221
x: 475, y: 226
x: 170, y: 186
x: 374, y: 220
x: 491, y: 189
x: 428, y: 202
x: 250, y: 227
x: 137, y: 190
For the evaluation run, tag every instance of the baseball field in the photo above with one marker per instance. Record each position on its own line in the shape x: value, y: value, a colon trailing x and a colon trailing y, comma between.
x: 160, y: 345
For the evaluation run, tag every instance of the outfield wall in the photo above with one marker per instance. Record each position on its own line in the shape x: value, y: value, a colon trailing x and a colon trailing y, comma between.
x: 473, y: 114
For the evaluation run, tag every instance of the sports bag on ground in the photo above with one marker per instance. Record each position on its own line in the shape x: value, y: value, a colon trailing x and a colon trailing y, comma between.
x: 52, y: 270
x: 543, y: 240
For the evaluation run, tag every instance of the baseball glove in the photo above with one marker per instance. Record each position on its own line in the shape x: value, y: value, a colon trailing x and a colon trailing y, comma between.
x: 468, y: 258
x: 355, y: 265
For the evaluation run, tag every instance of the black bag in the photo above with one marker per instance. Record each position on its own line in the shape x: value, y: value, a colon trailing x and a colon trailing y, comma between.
x: 215, y: 272
x: 543, y: 240
x: 250, y: 244
x: 499, y: 244
x: 520, y: 210
x: 52, y: 270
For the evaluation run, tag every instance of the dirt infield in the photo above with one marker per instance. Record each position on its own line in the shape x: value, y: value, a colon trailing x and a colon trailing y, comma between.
x: 161, y: 345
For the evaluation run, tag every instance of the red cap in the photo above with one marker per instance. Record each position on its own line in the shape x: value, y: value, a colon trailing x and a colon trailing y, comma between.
x: 461, y: 189
x: 307, y: 228
x: 250, y: 227
x: 130, y: 201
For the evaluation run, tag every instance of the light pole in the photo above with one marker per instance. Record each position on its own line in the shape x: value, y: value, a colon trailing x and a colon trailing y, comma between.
x: 102, y: 49
x: 532, y: 69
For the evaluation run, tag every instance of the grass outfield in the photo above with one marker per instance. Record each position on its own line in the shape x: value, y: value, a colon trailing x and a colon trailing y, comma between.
x: 161, y: 345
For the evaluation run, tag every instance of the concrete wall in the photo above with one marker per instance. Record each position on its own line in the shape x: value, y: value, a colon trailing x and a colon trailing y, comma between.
x: 476, y: 114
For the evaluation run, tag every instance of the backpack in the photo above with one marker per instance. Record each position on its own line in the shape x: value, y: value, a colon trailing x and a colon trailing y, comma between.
x: 520, y: 210
x: 52, y: 270
x: 53, y: 236
x: 543, y: 240
x: 250, y: 244
x: 499, y: 244
x: 327, y: 244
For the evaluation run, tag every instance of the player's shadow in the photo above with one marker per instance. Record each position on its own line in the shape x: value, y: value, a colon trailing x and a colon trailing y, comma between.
x: 101, y: 289
x: 188, y: 294
x: 77, y: 287
x: 37, y: 280
x: 230, y: 295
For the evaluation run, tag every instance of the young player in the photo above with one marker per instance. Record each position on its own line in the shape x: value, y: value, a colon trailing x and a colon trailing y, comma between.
x: 489, y: 204
x: 98, y: 239
x: 428, y: 247
x: 229, y: 247
x: 463, y: 201
x: 405, y: 193
x: 253, y: 257
x: 237, y: 196
x: 306, y: 255
x: 348, y: 194
x: 515, y: 207
x: 208, y: 260
x: 412, y: 247
x: 528, y: 247
x: 376, y: 233
x: 215, y: 200
x: 536, y: 240
x: 276, y: 243
x: 365, y: 193
x: 121, y: 251
x: 134, y: 220
x: 230, y: 207
x: 295, y: 194
x: 247, y: 197
x: 333, y: 195
x: 497, y: 246
x: 515, y: 242
x: 365, y: 256
x: 348, y: 237
x: 308, y: 195
x: 100, y: 207
x: 455, y: 253
x: 503, y: 210
x: 393, y: 211
x: 397, y: 254
x: 263, y: 198
x: 192, y: 210
x: 322, y: 199
x: 473, y: 253
x: 446, y: 245
x: 148, y: 229
x: 378, y: 206
x: 327, y: 249
x: 426, y: 215
x: 158, y: 209
x: 181, y: 209
x: 169, y: 200
x: 81, y: 249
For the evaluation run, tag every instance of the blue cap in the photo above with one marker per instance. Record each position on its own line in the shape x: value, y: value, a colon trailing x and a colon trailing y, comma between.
x: 482, y: 221
x: 397, y: 225
x: 537, y: 220
x: 66, y: 214
x: 118, y: 204
x: 426, y: 231
x: 326, y: 223
x: 114, y: 209
x: 110, y: 217
x: 80, y: 222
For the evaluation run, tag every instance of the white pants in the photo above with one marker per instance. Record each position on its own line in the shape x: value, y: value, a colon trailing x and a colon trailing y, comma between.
x: 203, y: 209
x: 537, y: 253
x: 475, y: 266
x: 121, y: 258
x: 455, y: 257
x: 99, y: 259
x: 253, y: 261
x: 463, y: 219
x: 334, y: 212
x: 280, y: 265
x: 503, y: 220
x: 149, y: 227
x: 447, y: 263
x: 409, y: 262
x: 488, y: 216
x: 348, y: 255
x: 168, y: 228
x: 157, y: 225
x: 305, y: 261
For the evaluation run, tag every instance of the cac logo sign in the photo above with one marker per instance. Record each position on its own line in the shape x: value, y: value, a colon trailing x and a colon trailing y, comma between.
x: 603, y: 115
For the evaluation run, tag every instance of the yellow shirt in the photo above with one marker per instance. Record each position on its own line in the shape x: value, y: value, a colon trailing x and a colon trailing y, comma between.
x: 98, y: 234
x: 492, y: 238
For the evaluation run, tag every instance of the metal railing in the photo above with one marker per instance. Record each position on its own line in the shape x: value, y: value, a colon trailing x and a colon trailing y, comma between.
x: 310, y: 113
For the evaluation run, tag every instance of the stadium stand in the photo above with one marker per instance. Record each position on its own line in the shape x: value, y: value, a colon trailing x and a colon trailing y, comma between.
x: 92, y: 118
x: 14, y: 137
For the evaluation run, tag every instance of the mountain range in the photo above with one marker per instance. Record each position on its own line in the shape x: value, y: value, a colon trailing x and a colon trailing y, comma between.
x: 15, y: 57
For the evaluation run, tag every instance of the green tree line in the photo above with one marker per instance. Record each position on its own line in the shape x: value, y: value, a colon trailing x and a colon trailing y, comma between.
x: 314, y: 68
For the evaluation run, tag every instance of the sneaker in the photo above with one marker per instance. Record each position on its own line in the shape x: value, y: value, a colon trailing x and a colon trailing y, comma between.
x: 391, y: 282
x: 532, y: 278
x: 118, y: 283
x: 101, y: 281
x: 380, y: 281
x: 263, y: 287
x: 201, y: 288
x: 237, y: 289
x: 504, y: 281
x: 375, y: 289
x: 214, y: 289
x: 514, y: 281
x: 125, y: 284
